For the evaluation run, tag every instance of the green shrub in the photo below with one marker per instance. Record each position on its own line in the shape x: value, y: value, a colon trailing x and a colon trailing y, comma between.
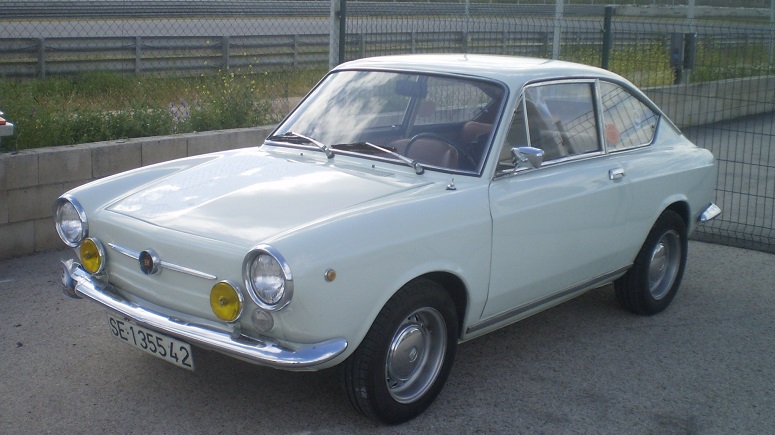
x: 100, y: 106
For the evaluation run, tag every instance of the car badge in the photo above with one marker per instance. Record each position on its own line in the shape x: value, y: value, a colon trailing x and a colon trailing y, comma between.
x: 149, y: 262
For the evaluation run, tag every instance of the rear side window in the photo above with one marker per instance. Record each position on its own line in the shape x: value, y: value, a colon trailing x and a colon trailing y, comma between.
x: 627, y: 121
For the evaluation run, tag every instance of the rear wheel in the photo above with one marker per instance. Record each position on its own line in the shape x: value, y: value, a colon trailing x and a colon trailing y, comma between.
x: 653, y: 281
x: 405, y: 358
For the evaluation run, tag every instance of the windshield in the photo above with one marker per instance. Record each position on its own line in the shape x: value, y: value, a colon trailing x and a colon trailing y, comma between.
x: 438, y: 122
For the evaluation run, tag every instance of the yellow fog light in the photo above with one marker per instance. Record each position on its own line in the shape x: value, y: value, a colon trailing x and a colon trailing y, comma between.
x: 92, y: 255
x: 226, y: 301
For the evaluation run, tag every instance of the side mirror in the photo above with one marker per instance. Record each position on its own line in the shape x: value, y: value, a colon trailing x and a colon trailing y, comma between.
x: 527, y: 157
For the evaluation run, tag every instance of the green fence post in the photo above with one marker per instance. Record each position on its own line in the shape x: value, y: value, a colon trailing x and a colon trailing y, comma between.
x: 42, y: 58
x: 608, y: 36
x: 138, y: 54
x: 342, y: 30
x: 225, y: 47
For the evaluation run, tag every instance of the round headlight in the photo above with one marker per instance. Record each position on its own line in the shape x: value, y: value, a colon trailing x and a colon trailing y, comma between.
x: 92, y: 255
x: 268, y: 278
x: 226, y: 301
x: 70, y: 219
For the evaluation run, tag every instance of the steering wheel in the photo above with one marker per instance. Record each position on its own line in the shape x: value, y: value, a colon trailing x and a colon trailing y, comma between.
x: 445, y: 141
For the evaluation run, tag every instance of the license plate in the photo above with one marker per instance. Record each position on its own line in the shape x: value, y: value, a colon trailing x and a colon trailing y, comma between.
x: 162, y: 346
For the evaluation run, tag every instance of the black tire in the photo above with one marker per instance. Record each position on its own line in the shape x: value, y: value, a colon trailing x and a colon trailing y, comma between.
x: 405, y: 358
x: 652, y: 282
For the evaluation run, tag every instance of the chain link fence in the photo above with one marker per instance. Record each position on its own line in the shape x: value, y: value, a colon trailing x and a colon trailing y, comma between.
x: 204, y: 65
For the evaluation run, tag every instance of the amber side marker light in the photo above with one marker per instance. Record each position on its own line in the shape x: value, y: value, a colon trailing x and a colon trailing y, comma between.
x: 92, y: 255
x: 226, y: 301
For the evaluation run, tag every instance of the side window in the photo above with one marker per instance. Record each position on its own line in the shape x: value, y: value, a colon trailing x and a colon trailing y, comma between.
x: 627, y: 122
x: 558, y: 118
x: 561, y: 119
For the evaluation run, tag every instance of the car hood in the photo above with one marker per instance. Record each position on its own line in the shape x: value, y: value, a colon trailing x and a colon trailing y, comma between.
x: 247, y: 196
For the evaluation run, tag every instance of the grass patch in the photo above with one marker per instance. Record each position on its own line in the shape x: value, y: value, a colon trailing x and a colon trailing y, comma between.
x: 100, y: 106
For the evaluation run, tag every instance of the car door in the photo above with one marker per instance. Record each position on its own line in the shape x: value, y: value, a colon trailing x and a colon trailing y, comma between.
x: 556, y: 228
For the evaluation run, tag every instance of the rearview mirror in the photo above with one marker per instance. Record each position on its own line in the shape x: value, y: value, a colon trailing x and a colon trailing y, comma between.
x: 527, y: 157
x: 411, y: 88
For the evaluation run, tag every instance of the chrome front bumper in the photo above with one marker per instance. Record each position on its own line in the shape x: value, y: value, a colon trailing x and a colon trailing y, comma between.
x: 79, y: 283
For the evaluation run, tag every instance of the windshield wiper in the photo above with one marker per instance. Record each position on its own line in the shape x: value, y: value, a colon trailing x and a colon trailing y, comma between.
x: 414, y: 164
x: 291, y: 137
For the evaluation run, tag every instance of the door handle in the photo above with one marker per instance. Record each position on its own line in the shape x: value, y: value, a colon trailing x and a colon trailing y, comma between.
x: 616, y: 174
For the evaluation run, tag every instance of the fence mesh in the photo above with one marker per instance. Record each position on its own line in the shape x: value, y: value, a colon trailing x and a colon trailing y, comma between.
x: 187, y: 65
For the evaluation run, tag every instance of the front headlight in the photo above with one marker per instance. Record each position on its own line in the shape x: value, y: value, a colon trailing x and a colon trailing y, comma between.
x: 267, y: 278
x: 70, y: 219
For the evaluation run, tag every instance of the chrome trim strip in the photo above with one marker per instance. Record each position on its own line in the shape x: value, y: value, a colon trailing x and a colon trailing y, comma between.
x: 498, y: 318
x: 256, y: 350
x: 164, y: 264
x: 124, y: 251
x: 710, y: 212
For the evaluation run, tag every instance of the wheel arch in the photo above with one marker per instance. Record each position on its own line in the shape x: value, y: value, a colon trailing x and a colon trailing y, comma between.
x: 682, y: 209
x: 456, y: 289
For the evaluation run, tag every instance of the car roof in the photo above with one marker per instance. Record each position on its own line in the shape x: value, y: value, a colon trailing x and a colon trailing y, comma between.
x: 512, y: 70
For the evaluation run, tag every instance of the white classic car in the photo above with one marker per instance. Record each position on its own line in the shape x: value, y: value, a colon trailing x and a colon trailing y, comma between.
x: 409, y: 203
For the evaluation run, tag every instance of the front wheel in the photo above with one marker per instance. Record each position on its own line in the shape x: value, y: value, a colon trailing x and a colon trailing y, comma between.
x: 653, y: 281
x: 405, y: 358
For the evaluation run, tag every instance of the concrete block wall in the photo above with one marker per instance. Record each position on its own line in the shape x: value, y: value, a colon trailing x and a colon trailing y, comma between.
x: 709, y: 102
x: 31, y: 180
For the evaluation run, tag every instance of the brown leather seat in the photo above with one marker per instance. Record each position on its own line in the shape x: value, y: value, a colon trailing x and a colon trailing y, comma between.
x: 434, y: 152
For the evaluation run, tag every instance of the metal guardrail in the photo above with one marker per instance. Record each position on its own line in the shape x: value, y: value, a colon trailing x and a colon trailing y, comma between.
x: 48, y: 9
x: 39, y: 57
x: 158, y: 9
x: 232, y: 8
x: 171, y: 55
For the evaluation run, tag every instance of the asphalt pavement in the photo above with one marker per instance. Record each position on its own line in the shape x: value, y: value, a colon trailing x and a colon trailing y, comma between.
x: 705, y: 365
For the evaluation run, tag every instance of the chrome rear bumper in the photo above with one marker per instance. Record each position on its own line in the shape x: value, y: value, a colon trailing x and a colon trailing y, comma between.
x: 79, y: 283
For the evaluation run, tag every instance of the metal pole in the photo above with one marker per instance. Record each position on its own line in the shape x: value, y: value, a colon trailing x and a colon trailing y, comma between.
x: 772, y: 30
x: 558, y: 13
x: 333, y: 38
x: 690, y: 10
x: 342, y: 31
x: 42, y: 58
x: 225, y: 47
x: 465, y: 26
x: 608, y: 36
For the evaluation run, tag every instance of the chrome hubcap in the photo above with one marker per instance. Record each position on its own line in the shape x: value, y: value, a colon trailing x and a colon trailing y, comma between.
x: 416, y: 355
x: 665, y: 261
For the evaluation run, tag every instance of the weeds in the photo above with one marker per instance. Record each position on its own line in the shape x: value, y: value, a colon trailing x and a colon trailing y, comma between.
x: 100, y: 106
